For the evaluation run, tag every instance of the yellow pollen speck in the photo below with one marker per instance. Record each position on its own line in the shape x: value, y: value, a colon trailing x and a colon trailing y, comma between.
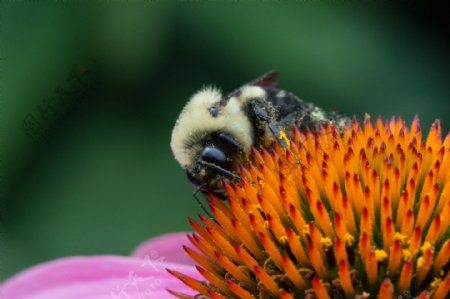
x: 419, y: 262
x: 266, y: 224
x: 400, y: 237
x: 435, y: 282
x: 407, y: 255
x: 380, y: 255
x: 284, y: 240
x: 326, y: 242
x: 425, y: 246
x: 261, y: 183
x: 284, y: 137
x: 349, y: 239
x: 306, y: 229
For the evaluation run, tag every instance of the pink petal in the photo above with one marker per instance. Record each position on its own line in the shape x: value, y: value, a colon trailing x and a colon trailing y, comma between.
x: 167, y: 248
x: 97, y: 277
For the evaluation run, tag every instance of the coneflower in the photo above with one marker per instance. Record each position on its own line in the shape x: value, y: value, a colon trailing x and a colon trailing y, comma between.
x: 362, y: 214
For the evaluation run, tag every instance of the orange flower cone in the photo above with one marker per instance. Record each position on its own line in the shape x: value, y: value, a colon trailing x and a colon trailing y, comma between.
x: 363, y: 213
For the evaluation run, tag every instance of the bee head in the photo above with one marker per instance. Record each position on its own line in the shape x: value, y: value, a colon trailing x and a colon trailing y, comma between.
x: 210, y: 138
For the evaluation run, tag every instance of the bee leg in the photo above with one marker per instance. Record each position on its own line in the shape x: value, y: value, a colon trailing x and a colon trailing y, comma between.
x: 256, y: 110
x: 277, y: 132
x: 230, y: 141
x: 199, y: 202
x: 261, y: 116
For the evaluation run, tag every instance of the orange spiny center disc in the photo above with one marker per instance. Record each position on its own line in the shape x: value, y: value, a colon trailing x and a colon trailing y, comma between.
x: 361, y: 212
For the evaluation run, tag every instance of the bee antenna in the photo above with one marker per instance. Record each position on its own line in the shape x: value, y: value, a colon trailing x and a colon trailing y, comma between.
x: 221, y: 170
x: 199, y: 202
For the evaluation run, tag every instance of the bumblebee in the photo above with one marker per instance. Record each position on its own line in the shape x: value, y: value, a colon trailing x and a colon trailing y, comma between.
x: 214, y: 133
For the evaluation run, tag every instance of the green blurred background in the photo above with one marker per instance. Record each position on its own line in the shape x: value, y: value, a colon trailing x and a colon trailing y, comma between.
x: 95, y: 173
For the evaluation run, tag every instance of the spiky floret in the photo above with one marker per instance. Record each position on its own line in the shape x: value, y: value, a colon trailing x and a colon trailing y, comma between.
x: 365, y: 213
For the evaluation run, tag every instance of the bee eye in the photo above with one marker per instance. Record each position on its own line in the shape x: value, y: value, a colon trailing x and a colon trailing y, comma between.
x: 214, y: 111
x: 213, y: 155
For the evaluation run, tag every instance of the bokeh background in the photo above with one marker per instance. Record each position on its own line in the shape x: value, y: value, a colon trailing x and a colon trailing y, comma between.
x: 90, y: 94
